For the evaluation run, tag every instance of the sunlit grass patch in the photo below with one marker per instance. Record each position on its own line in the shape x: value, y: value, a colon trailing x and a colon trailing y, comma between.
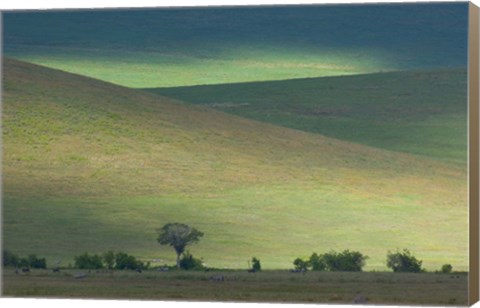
x: 157, y: 69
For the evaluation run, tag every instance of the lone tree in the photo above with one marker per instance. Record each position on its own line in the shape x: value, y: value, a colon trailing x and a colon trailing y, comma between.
x: 178, y: 236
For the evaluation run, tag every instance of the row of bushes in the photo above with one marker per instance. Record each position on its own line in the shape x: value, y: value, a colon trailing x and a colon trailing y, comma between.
x: 109, y: 260
x: 346, y: 261
x: 350, y: 261
x: 120, y: 261
x: 354, y: 261
x: 31, y: 261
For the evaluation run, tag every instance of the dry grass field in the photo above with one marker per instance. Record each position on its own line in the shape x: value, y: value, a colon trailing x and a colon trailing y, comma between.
x: 240, y: 286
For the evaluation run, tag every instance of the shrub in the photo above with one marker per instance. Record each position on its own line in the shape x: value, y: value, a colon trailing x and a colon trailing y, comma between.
x: 300, y: 264
x: 347, y: 261
x: 446, y: 268
x: 87, y: 261
x: 188, y: 262
x: 403, y: 262
x: 10, y: 259
x: 23, y: 262
x: 256, y: 265
x: 317, y: 263
x: 125, y: 261
x: 35, y: 262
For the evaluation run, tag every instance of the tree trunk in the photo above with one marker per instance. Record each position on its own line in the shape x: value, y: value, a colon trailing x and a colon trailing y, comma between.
x: 178, y: 260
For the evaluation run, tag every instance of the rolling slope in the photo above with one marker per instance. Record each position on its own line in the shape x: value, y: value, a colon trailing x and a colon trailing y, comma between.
x: 421, y: 112
x: 91, y: 166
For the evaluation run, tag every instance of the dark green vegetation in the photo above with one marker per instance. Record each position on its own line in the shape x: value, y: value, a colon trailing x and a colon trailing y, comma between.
x: 446, y: 268
x: 174, y: 47
x: 346, y: 261
x: 12, y: 259
x: 87, y: 261
x: 417, y: 112
x: 189, y: 262
x: 80, y: 154
x: 109, y: 260
x: 256, y: 266
x: 241, y: 286
x: 404, y: 262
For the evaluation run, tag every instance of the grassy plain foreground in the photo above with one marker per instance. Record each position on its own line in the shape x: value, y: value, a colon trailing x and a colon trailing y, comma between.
x: 240, y: 286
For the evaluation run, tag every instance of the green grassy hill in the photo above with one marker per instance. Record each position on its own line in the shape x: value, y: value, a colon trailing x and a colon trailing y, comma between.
x: 90, y: 166
x: 422, y: 112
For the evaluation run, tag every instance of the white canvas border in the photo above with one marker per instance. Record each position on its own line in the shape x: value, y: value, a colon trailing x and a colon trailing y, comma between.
x: 82, y: 4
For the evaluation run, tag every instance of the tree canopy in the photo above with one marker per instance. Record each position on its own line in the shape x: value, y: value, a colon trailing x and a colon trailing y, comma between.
x: 178, y: 236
